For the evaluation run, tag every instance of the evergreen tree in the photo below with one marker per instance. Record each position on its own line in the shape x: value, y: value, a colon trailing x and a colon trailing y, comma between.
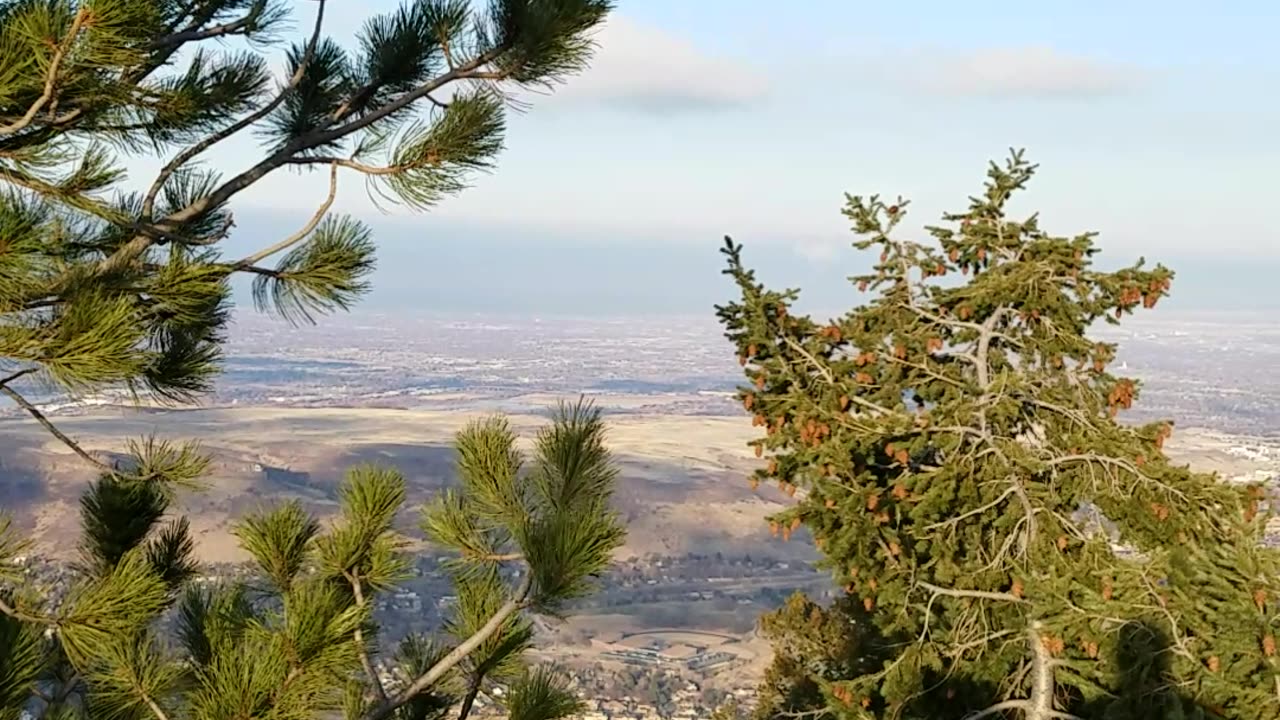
x: 301, y: 641
x: 108, y: 286
x: 955, y: 449
x: 812, y: 642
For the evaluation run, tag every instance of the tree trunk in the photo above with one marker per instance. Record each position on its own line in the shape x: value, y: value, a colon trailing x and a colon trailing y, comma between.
x: 1040, y: 703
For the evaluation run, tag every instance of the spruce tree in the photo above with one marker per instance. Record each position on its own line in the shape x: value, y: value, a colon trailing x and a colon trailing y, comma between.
x: 299, y: 639
x: 956, y: 448
x: 811, y: 643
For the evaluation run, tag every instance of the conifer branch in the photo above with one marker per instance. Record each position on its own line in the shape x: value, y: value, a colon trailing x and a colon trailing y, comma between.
x: 250, y: 260
x: 19, y: 615
x: 825, y: 373
x: 1114, y: 463
x: 51, y: 76
x: 155, y: 708
x: 357, y: 589
x: 214, y: 31
x: 185, y: 156
x: 518, y: 602
x: 34, y: 412
x: 281, y: 157
x: 952, y: 522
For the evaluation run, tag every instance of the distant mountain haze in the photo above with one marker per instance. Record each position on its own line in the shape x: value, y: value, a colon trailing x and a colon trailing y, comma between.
x: 427, y: 263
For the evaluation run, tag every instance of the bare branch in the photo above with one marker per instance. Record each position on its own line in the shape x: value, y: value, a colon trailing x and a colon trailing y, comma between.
x: 51, y: 77
x: 446, y: 50
x: 215, y: 31
x: 247, y: 262
x: 155, y: 708
x: 997, y: 709
x: 974, y: 594
x: 354, y: 165
x: 500, y: 557
x: 358, y: 590
x: 468, y: 701
x: 1040, y: 704
x: 53, y: 429
x: 19, y: 374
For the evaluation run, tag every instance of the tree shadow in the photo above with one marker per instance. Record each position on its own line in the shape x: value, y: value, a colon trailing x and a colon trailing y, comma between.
x: 841, y: 642
x: 1138, y: 686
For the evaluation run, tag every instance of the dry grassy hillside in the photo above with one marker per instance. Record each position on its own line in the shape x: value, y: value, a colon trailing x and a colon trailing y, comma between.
x: 683, y: 483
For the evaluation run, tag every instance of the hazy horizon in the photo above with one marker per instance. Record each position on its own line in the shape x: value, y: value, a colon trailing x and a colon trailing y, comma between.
x: 435, y: 264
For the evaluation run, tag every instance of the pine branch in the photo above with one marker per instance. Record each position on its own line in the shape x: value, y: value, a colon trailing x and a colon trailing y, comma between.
x: 433, y: 675
x: 281, y: 157
x: 53, y: 429
x: 357, y: 590
x: 155, y: 708
x: 51, y: 76
x: 17, y: 614
x: 185, y: 156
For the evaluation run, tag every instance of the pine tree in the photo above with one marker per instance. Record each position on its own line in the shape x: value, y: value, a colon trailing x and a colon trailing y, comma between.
x: 300, y: 641
x: 956, y: 451
x: 106, y: 286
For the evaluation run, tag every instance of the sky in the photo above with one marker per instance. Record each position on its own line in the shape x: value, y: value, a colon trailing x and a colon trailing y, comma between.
x: 1153, y: 124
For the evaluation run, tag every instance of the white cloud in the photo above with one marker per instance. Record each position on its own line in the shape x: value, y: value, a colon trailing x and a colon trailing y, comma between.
x: 1020, y: 72
x: 641, y: 67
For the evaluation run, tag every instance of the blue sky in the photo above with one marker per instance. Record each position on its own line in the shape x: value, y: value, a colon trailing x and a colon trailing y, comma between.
x: 1154, y: 124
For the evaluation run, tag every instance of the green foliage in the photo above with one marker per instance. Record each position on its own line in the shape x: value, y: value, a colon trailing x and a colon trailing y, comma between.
x: 279, y: 541
x: 813, y: 644
x: 556, y: 516
x: 305, y: 643
x: 542, y: 694
x: 106, y: 287
x: 956, y: 452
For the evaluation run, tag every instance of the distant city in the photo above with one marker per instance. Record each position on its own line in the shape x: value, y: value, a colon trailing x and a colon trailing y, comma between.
x: 1204, y: 370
